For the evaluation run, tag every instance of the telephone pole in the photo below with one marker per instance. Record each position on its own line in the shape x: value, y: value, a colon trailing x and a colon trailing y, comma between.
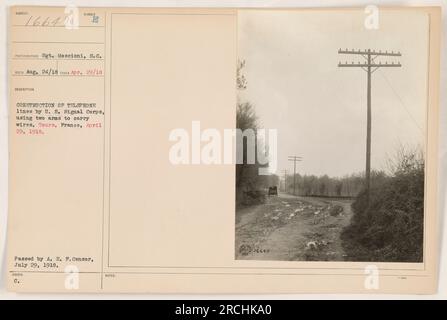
x: 294, y: 159
x: 369, y: 65
x: 285, y: 180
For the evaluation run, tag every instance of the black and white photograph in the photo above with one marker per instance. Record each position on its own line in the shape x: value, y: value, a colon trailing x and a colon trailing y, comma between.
x: 347, y: 96
x: 232, y: 151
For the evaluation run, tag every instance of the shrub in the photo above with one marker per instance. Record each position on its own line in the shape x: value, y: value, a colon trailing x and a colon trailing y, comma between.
x: 390, y: 227
x: 253, y: 197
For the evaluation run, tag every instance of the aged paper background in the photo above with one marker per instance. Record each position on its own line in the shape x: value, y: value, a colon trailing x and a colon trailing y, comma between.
x: 151, y: 241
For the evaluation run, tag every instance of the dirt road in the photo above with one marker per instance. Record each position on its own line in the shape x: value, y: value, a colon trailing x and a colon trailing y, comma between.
x: 290, y: 228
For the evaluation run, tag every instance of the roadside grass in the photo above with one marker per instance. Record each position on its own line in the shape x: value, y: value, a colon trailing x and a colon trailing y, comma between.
x: 390, y: 228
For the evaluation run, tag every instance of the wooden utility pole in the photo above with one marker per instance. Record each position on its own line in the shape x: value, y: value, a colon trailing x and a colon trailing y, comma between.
x: 294, y: 159
x: 370, y: 65
x: 285, y: 180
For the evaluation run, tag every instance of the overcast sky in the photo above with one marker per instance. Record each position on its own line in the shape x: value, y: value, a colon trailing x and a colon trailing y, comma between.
x: 319, y: 109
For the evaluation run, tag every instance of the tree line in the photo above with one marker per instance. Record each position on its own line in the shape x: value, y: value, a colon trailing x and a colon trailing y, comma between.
x: 324, y: 186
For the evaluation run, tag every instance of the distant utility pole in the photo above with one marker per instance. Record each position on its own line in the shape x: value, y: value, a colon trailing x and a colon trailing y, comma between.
x: 294, y: 159
x: 285, y: 180
x: 369, y: 64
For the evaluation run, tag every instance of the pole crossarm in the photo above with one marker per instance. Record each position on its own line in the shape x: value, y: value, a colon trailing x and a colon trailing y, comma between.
x: 372, y: 65
x: 370, y: 52
x: 370, y: 57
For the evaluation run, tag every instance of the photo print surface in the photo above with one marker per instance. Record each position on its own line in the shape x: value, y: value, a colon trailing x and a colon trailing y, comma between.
x: 346, y: 100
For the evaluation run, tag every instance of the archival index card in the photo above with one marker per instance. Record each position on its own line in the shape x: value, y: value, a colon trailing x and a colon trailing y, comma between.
x: 124, y: 150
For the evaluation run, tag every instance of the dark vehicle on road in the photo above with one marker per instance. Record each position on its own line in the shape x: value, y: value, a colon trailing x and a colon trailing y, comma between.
x: 273, y: 191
